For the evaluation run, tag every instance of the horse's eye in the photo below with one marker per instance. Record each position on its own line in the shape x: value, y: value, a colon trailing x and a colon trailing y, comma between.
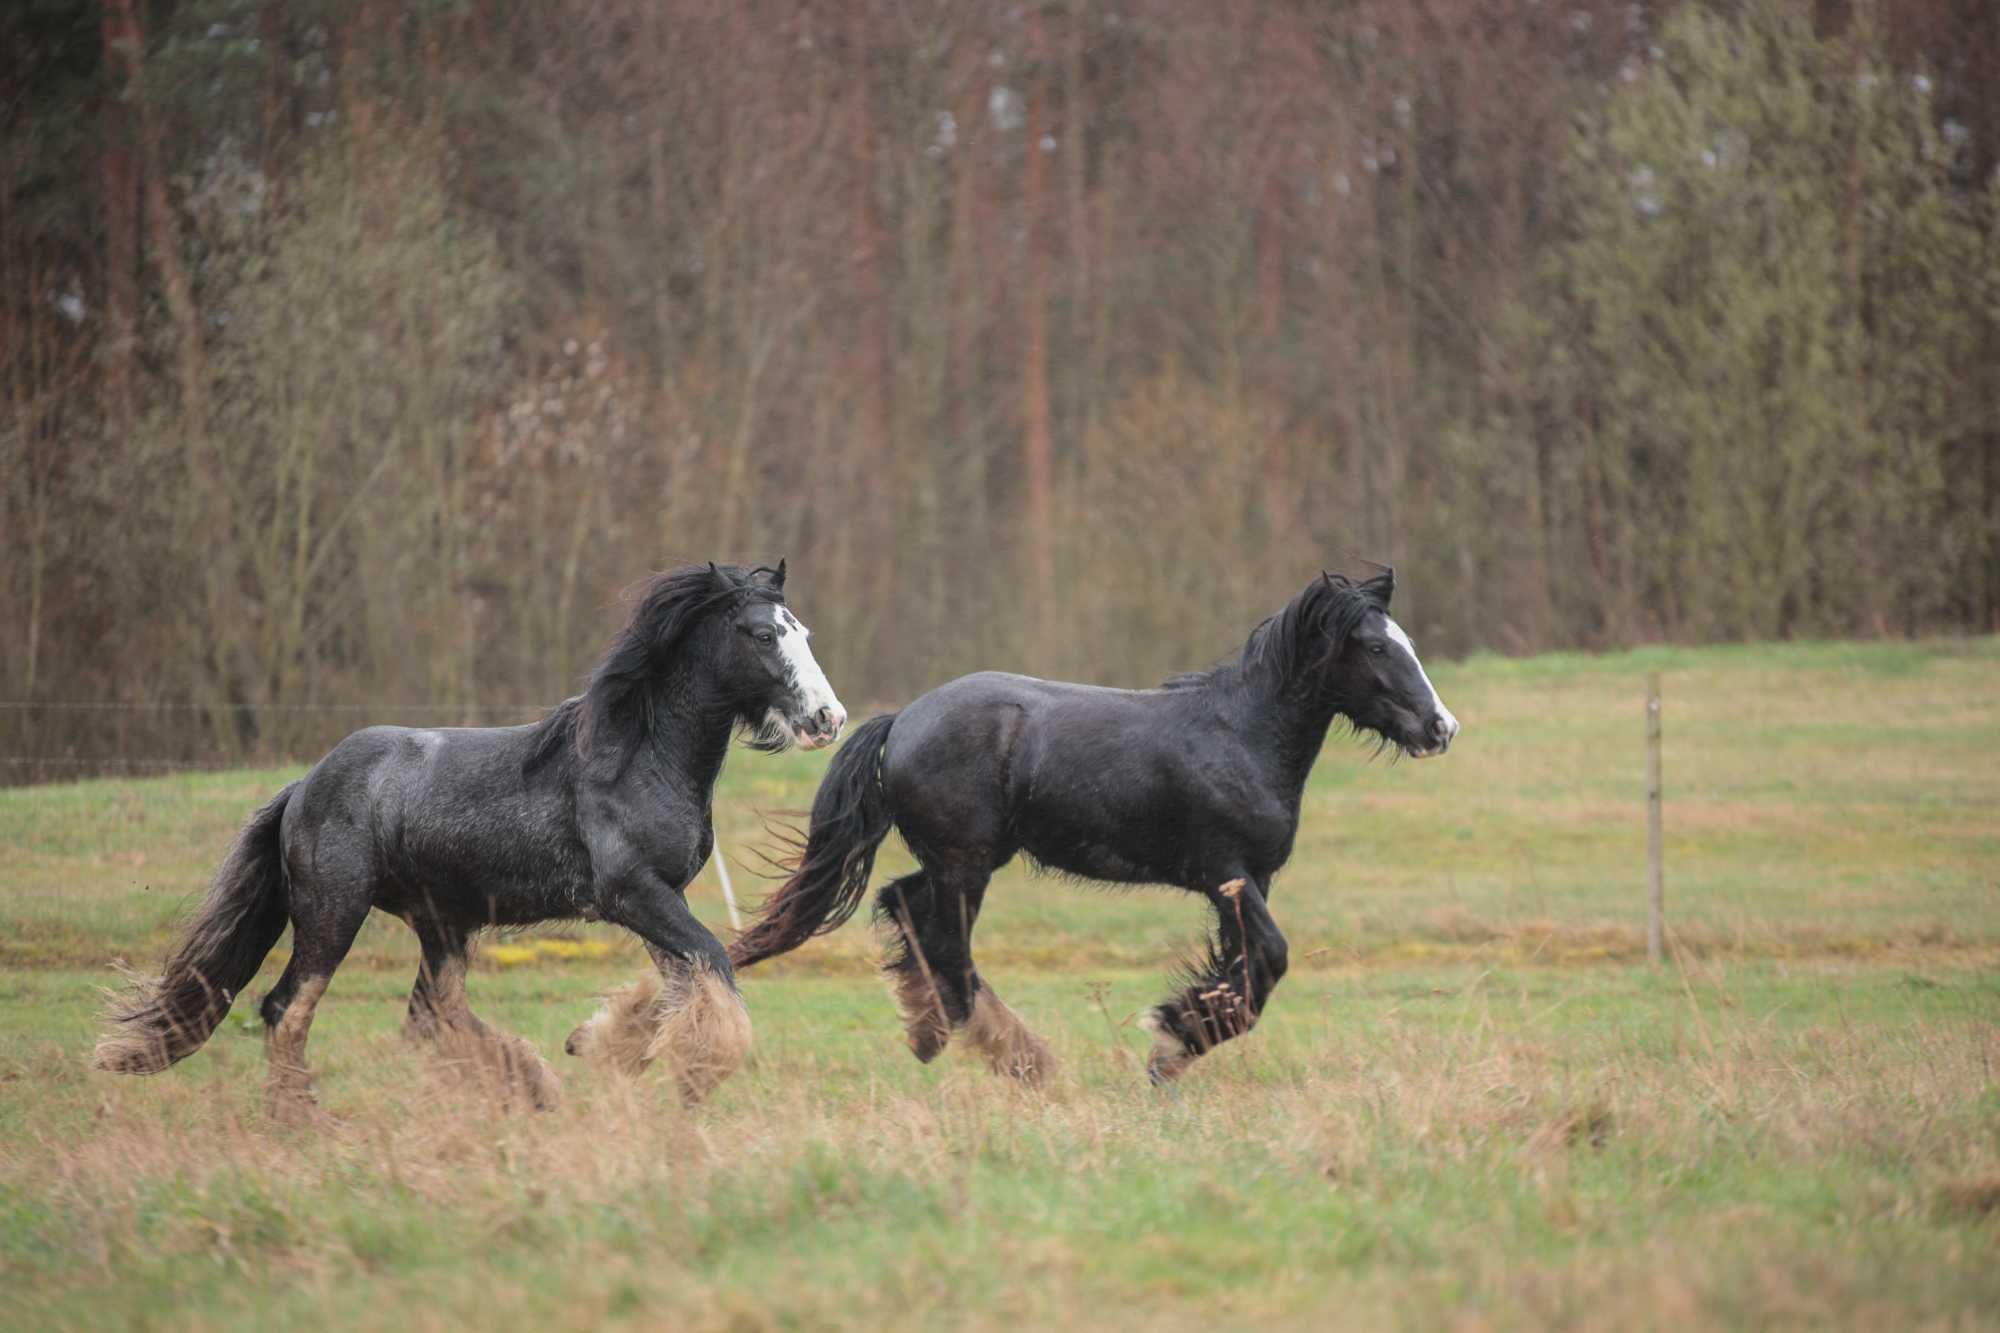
x: 765, y: 637
x: 1376, y: 649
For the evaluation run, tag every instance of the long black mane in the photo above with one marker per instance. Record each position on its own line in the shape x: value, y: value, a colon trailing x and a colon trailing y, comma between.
x: 602, y: 727
x: 1310, y: 631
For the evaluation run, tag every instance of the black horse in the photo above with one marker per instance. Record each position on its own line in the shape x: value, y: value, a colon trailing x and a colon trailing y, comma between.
x: 600, y: 811
x: 1195, y: 784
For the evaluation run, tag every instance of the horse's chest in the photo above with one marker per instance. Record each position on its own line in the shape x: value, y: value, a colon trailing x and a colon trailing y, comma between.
x: 1258, y: 835
x: 680, y: 859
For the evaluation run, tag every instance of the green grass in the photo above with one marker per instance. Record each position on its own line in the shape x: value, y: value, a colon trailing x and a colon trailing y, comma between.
x: 1822, y: 799
x: 1467, y: 1106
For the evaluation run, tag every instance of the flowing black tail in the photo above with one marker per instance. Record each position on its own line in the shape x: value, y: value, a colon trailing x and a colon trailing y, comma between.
x: 850, y: 817
x: 159, y: 1020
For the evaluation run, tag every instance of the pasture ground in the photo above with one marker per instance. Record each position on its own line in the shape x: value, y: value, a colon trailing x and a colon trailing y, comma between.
x: 1471, y: 1104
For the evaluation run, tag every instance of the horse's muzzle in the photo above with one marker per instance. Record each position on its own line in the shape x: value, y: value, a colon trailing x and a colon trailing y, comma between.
x: 822, y: 728
x: 1441, y: 729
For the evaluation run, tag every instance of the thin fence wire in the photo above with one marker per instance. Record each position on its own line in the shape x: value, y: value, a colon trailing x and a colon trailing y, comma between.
x: 85, y: 761
x: 119, y: 706
x: 98, y: 764
x: 175, y: 717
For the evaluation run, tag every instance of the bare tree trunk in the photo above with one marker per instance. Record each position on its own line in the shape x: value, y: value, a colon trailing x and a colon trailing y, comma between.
x: 1038, y: 454
x: 878, y: 498
x: 271, y: 35
x: 967, y: 283
x: 125, y: 43
x: 1074, y: 150
x: 660, y: 214
x: 121, y: 228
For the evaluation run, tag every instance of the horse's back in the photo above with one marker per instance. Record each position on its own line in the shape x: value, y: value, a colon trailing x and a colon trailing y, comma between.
x: 341, y: 790
x: 993, y: 758
x: 447, y: 812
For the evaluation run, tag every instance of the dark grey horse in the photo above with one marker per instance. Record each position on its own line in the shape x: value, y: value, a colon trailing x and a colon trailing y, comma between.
x: 1196, y: 784
x: 600, y: 812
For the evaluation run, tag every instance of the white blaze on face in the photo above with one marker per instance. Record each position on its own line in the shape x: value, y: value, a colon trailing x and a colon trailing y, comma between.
x: 815, y: 693
x: 1402, y: 640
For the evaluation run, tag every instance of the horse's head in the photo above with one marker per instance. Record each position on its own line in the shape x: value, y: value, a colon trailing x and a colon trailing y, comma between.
x: 1380, y: 684
x: 778, y: 689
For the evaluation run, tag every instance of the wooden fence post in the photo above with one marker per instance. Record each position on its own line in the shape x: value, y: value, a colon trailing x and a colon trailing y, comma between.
x: 1655, y: 889
x: 728, y: 889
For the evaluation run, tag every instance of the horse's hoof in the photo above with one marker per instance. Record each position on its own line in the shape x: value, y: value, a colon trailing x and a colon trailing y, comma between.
x: 1169, y: 1058
x: 299, y: 1109
x: 534, y: 1078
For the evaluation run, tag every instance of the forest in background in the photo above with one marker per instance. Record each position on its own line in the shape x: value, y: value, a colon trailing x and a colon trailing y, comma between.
x: 356, y: 352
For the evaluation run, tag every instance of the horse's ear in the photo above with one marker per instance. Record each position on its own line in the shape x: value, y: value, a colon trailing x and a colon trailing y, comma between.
x: 1381, y: 587
x: 778, y: 575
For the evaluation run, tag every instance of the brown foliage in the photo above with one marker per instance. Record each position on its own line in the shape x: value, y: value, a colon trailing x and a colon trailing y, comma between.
x: 1057, y: 314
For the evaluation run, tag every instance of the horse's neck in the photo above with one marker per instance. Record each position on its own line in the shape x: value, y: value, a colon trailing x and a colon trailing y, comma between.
x: 1303, y: 737
x: 691, y: 729
x: 1294, y: 722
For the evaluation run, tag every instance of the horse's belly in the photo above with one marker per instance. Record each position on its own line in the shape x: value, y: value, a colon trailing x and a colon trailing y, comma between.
x: 493, y: 877
x: 1121, y: 851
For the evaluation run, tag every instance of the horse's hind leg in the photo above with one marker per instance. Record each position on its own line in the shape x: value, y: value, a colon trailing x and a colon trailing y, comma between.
x: 437, y: 1001
x: 936, y: 985
x: 931, y: 1004
x: 325, y: 919
x: 440, y: 1013
x: 1226, y: 990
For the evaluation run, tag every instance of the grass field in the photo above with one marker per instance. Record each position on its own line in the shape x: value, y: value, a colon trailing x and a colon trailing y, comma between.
x: 1471, y: 1104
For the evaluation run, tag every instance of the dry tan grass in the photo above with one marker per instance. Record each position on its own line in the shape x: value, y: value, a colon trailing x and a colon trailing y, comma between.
x: 1976, y: 1196
x: 1471, y: 1106
x: 1337, y: 1114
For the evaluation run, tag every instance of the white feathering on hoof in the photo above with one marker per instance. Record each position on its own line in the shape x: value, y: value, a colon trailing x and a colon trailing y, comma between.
x: 692, y: 1020
x: 620, y: 1034
x: 704, y: 1031
x: 506, y: 1065
x: 1170, y: 1057
x: 922, y: 1010
x: 998, y: 1033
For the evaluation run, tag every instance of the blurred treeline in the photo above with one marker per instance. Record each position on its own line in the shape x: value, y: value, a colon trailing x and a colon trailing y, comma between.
x: 359, y: 350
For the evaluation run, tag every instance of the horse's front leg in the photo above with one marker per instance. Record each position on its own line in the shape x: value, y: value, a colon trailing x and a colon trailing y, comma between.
x: 1230, y: 986
x: 687, y: 1014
